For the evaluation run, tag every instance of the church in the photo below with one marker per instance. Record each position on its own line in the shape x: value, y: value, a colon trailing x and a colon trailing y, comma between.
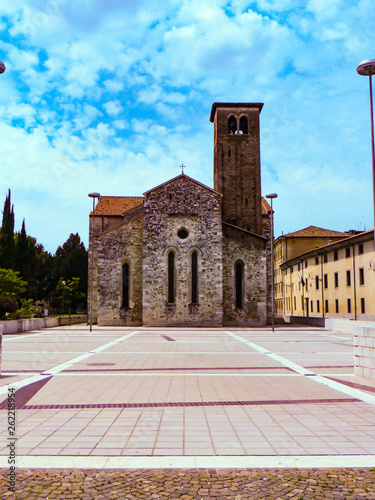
x: 184, y: 254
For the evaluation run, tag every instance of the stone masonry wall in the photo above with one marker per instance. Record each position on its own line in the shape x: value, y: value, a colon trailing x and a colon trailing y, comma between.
x: 115, y: 247
x: 237, y: 245
x: 182, y: 204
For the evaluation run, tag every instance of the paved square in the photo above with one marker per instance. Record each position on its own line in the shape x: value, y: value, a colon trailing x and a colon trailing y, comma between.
x: 121, y: 392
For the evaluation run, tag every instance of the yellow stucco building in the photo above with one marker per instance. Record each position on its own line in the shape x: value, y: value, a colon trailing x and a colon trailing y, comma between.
x: 334, y: 280
x: 293, y: 244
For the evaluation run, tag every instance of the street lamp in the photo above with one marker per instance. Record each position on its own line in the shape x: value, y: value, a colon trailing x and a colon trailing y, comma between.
x: 367, y: 68
x: 93, y: 196
x: 271, y: 197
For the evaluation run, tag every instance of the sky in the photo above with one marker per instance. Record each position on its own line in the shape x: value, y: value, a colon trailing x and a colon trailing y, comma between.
x: 113, y: 96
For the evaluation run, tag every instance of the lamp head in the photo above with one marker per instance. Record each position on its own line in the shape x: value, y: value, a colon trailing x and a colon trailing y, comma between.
x: 2, y: 67
x: 366, y: 68
x: 271, y: 196
x: 94, y: 195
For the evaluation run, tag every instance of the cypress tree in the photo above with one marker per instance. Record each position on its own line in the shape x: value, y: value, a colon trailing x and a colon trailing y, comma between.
x: 7, y: 245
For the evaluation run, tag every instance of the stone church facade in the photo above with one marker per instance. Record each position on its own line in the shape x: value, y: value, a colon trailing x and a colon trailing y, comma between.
x: 184, y: 254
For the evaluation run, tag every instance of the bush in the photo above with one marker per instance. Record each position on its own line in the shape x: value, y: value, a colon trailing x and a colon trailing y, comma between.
x: 27, y: 310
x: 7, y: 305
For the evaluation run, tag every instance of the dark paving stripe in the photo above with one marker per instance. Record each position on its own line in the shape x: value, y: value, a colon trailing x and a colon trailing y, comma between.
x: 354, y: 385
x: 329, y: 366
x: 167, y: 338
x: 182, y: 369
x: 189, y: 404
x: 23, y: 395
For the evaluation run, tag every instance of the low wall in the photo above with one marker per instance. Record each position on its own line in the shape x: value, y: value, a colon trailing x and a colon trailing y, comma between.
x: 364, y: 344
x: 305, y: 320
x: 364, y: 353
x: 26, y: 325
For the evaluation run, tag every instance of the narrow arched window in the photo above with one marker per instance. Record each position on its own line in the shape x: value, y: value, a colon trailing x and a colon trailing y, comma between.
x: 232, y: 125
x: 194, y: 278
x: 125, y: 285
x: 243, y: 125
x: 171, y: 279
x: 239, y: 285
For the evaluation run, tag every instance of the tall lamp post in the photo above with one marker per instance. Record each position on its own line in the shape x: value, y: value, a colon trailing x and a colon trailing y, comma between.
x: 367, y: 68
x: 2, y: 69
x: 93, y: 196
x: 271, y: 197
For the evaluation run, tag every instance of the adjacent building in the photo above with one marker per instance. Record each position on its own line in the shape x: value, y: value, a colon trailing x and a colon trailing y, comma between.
x: 334, y: 280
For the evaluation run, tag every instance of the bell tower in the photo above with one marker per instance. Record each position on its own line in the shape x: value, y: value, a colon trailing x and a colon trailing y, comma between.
x: 237, y: 163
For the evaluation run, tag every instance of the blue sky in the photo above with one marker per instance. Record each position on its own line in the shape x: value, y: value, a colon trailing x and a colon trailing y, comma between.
x: 113, y: 96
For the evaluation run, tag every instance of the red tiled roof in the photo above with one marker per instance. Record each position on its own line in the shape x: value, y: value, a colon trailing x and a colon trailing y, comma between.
x: 116, y: 205
x: 266, y: 207
x: 314, y: 231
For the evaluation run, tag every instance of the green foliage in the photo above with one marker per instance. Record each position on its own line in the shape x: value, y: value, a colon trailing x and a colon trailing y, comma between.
x: 71, y: 260
x: 27, y: 310
x: 11, y: 285
x: 7, y: 246
x: 7, y: 305
x: 69, y: 293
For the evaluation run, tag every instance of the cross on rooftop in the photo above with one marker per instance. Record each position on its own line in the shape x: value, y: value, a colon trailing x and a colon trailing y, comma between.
x: 182, y: 168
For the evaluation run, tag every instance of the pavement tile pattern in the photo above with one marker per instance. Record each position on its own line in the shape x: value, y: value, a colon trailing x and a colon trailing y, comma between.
x: 121, y: 393
x: 192, y: 484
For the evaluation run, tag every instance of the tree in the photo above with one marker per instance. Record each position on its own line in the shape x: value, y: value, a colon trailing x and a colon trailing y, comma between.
x: 71, y: 261
x: 25, y: 254
x: 7, y: 245
x: 11, y: 285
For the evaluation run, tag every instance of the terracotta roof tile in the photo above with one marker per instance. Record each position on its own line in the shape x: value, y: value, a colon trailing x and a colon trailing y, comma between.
x: 266, y: 207
x: 314, y: 231
x: 116, y: 205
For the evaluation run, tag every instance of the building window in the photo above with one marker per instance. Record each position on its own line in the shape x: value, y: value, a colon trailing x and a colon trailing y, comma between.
x: 316, y: 282
x: 171, y: 277
x: 335, y: 255
x: 125, y: 285
x: 243, y: 125
x: 239, y: 285
x: 347, y: 252
x: 312, y: 306
x: 337, y: 306
x: 360, y: 248
x: 325, y: 258
x: 336, y: 280
x: 317, y: 306
x: 363, y: 306
x: 348, y: 280
x: 316, y: 261
x: 326, y: 306
x: 182, y: 233
x: 326, y: 281
x: 305, y: 264
x: 361, y: 276
x: 349, y: 306
x: 299, y: 267
x: 194, y: 278
x: 232, y: 125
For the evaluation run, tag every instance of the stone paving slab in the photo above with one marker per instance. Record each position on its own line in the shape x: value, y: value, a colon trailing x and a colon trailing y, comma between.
x: 191, y: 484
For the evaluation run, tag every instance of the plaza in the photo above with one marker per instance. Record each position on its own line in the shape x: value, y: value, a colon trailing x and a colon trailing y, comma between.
x: 186, y: 399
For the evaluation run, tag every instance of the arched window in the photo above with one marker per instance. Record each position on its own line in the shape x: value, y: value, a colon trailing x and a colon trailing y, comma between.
x: 194, y: 278
x: 243, y: 125
x: 171, y: 277
x: 239, y: 284
x: 232, y: 125
x: 125, y: 285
